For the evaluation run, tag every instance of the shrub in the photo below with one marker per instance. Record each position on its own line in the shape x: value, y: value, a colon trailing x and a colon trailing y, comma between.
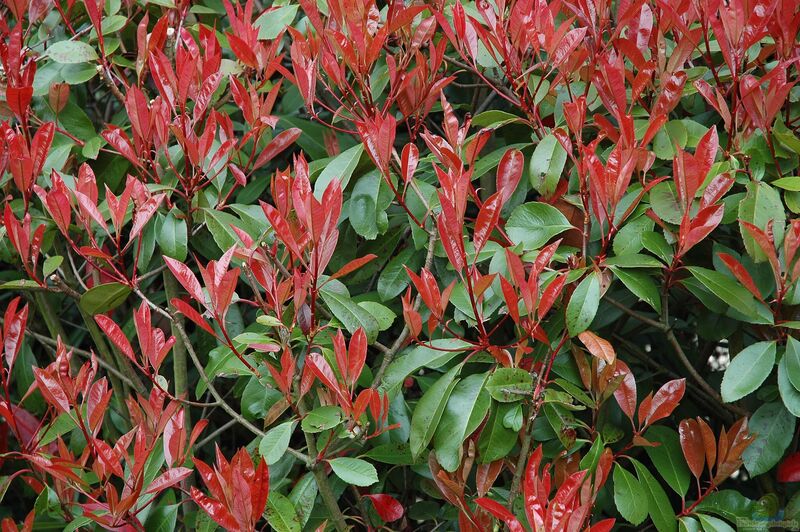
x: 455, y: 265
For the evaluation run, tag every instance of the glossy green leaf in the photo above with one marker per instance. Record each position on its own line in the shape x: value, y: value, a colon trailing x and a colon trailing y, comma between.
x: 173, y: 238
x: 321, y: 418
x: 341, y: 168
x: 773, y: 426
x: 534, y: 224
x: 583, y: 305
x: 508, y: 385
x: 67, y: 52
x: 789, y: 394
x: 761, y: 204
x: 792, y: 357
x: 104, y: 297
x: 429, y: 409
x: 354, y: 471
x: 658, y: 505
x: 668, y: 458
x: 641, y: 284
x: 275, y: 442
x: 547, y: 164
x: 440, y: 352
x: 628, y: 496
x: 465, y: 410
x: 274, y: 21
x: 748, y: 370
x: 281, y: 514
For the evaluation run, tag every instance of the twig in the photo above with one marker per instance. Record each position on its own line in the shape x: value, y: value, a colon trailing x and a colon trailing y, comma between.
x: 400, y: 341
x: 664, y: 327
x: 78, y: 351
x: 210, y: 385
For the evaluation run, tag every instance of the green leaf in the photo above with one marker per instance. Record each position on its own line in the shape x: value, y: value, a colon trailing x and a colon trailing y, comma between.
x: 275, y: 442
x: 341, y: 168
x: 363, y: 206
x: 496, y: 440
x: 508, y: 385
x: 348, y: 312
x: 714, y: 524
x: 219, y: 225
x: 393, y: 278
x: 465, y: 410
x: 162, y: 518
x: 534, y: 224
x: 656, y: 244
x: 629, y: 239
x: 391, y: 453
x: 274, y: 21
x: 321, y: 418
x: 303, y: 496
x: 546, y: 165
x: 791, y: 183
x: 668, y: 458
x: 354, y: 471
x: 494, y: 119
x: 173, y: 238
x: 792, y: 357
x: 761, y: 204
x: 688, y: 524
x: 627, y: 496
x: 642, y: 286
x: 729, y: 504
x: 104, y: 297
x: 281, y: 514
x: 440, y: 352
x: 773, y: 426
x: 665, y: 203
x: 748, y: 370
x: 634, y: 260
x: 62, y: 424
x: 429, y: 410
x: 51, y: 264
x: 583, y: 304
x: 729, y: 291
x: 789, y: 394
x: 382, y: 314
x: 658, y: 505
x: 68, y: 52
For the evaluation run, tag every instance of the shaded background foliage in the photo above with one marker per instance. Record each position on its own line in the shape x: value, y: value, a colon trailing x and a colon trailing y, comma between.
x: 352, y: 264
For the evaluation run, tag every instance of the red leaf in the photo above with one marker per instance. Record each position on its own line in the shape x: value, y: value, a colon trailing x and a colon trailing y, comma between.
x: 741, y: 274
x: 625, y: 394
x: 409, y: 161
x: 281, y: 141
x: 509, y: 172
x: 187, y: 310
x: 116, y: 335
x: 353, y: 265
x: 500, y: 512
x: 215, y: 509
x: 387, y: 506
x: 168, y: 478
x: 187, y: 278
x: 666, y: 400
x: 598, y: 347
x: 487, y: 220
x: 13, y: 329
x: 692, y: 446
x: 789, y: 468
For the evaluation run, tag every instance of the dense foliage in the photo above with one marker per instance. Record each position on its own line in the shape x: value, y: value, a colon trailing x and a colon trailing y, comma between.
x: 455, y: 265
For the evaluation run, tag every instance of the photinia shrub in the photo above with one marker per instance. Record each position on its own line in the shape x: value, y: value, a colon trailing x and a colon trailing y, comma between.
x: 334, y: 265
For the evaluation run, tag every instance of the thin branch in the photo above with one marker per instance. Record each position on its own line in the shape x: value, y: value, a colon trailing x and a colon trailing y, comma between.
x: 399, y: 342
